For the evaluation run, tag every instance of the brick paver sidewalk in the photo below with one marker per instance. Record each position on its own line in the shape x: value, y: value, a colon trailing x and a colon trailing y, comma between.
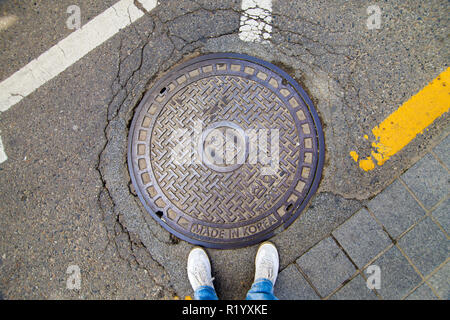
x: 404, y: 231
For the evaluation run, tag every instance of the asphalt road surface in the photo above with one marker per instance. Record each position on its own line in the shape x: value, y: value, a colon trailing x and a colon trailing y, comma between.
x: 65, y: 193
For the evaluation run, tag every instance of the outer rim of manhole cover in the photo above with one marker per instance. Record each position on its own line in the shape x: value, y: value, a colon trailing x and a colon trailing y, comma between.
x: 284, y: 220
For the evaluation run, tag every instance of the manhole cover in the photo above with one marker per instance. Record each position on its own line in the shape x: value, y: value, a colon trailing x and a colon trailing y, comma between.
x: 224, y: 150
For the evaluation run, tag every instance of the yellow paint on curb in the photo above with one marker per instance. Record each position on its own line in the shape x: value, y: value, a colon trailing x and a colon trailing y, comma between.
x: 354, y: 155
x: 185, y: 298
x: 367, y: 164
x: 410, y: 119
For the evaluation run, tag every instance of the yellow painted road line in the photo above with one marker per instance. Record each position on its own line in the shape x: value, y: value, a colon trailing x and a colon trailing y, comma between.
x: 409, y: 120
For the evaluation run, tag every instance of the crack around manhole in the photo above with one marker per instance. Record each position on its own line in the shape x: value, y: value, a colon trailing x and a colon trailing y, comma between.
x: 225, y: 93
x: 162, y: 54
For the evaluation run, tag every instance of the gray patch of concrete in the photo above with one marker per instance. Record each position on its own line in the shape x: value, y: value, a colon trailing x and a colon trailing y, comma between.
x: 120, y: 204
x: 330, y: 57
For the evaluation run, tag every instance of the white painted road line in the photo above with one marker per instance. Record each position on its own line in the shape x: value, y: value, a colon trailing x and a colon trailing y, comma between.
x: 256, y: 21
x: 3, y: 156
x: 68, y: 51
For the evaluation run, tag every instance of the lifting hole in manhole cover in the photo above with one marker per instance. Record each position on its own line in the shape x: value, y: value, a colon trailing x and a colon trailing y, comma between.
x: 224, y: 150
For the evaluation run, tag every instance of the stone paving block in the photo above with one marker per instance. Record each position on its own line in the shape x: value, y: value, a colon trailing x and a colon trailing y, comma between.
x: 428, y: 180
x: 442, y: 150
x: 326, y: 212
x: 423, y: 292
x: 396, y: 209
x: 291, y: 285
x: 442, y: 215
x: 440, y: 281
x: 356, y: 289
x: 426, y: 246
x: 361, y: 237
x: 326, y: 266
x: 397, y: 275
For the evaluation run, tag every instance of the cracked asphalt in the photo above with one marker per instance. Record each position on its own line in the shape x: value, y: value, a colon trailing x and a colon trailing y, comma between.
x: 66, y: 195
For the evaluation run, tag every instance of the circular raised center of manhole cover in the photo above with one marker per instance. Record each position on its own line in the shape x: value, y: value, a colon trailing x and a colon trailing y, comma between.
x: 224, y: 150
x: 223, y: 146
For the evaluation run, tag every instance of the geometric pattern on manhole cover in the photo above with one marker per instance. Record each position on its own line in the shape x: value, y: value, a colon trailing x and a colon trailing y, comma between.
x: 225, y: 151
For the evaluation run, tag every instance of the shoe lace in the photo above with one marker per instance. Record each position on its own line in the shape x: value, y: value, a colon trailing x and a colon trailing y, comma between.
x: 201, y: 275
x: 267, y: 265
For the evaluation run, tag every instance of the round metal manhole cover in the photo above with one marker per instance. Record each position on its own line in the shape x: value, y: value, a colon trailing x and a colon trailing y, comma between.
x: 224, y: 150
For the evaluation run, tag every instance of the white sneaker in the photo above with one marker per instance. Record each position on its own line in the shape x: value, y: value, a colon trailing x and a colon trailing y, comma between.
x: 199, y: 269
x: 267, y: 262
